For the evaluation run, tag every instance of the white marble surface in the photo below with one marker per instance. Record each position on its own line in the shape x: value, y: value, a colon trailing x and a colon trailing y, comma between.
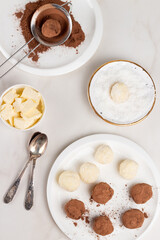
x: 131, y: 31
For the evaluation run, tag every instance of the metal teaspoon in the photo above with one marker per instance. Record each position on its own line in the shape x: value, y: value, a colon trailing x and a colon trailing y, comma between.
x: 13, y: 189
x: 39, y: 145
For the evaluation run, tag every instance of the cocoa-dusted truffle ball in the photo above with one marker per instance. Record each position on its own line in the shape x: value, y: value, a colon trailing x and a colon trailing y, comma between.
x: 133, y: 218
x: 141, y: 193
x: 102, y: 193
x: 51, y: 28
x: 75, y: 209
x: 103, y: 226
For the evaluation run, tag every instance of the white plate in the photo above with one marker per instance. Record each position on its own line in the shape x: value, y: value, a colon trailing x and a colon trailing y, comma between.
x: 59, y: 60
x: 82, y: 151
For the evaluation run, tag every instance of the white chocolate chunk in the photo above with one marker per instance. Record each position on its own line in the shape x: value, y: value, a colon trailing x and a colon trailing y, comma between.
x: 22, y: 124
x: 28, y: 106
x: 10, y: 96
x: 17, y: 104
x: 11, y: 119
x: 8, y: 112
x: 2, y: 107
x: 33, y: 114
x: 30, y: 93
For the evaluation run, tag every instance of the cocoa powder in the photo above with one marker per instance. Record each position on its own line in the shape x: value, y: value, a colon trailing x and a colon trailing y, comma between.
x: 145, y: 215
x: 76, y: 38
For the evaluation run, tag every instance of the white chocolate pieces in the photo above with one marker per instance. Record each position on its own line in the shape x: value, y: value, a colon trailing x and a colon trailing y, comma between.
x: 22, y: 108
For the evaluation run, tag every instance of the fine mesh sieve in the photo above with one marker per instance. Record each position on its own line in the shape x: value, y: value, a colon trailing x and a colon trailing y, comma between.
x: 37, y: 33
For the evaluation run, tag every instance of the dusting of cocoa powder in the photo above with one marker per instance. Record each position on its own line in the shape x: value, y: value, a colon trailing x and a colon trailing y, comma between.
x: 87, y: 220
x: 75, y: 224
x: 76, y: 38
x: 145, y: 215
x: 19, y: 14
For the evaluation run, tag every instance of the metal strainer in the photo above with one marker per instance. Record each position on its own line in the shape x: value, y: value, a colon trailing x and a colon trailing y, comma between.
x: 38, y: 36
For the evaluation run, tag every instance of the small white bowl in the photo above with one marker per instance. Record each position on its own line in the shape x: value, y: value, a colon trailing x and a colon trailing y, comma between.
x: 17, y: 86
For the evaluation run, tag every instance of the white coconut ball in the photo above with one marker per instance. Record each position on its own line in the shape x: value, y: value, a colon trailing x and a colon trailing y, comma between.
x: 128, y: 169
x: 104, y: 154
x: 89, y: 172
x: 69, y: 181
x: 119, y: 92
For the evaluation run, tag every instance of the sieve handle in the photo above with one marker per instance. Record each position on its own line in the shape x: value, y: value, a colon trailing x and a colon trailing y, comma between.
x: 20, y: 59
x: 16, y: 52
x: 67, y: 3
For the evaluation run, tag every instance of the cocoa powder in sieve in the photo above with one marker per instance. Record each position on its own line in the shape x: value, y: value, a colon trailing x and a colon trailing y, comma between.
x: 76, y: 38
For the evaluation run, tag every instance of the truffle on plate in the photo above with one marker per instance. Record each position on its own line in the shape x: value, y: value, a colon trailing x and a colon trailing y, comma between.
x: 102, y: 193
x: 141, y: 193
x: 74, y: 209
x: 102, y: 225
x: 104, y: 154
x: 133, y: 219
x: 89, y: 172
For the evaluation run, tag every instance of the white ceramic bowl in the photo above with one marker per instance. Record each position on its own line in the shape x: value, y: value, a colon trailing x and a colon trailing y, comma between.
x: 17, y: 86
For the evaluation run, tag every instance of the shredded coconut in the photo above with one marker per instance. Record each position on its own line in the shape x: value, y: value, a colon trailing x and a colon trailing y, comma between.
x: 141, y: 92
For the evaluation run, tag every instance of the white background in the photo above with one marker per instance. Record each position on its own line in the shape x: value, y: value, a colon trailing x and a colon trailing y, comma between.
x: 131, y: 31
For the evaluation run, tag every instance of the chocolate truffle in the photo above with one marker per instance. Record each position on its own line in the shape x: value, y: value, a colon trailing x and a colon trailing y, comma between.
x: 133, y: 218
x: 102, y: 193
x: 75, y: 209
x: 141, y: 193
x: 103, y: 226
x: 51, y: 28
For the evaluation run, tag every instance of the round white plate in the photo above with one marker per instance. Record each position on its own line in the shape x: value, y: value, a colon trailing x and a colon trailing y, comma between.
x: 81, y: 151
x: 59, y: 60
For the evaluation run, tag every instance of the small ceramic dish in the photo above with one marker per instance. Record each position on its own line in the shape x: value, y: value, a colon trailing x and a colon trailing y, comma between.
x: 20, y: 87
x: 105, y: 74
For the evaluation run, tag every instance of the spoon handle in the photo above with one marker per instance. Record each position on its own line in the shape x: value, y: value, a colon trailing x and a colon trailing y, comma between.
x: 13, y: 189
x: 30, y: 190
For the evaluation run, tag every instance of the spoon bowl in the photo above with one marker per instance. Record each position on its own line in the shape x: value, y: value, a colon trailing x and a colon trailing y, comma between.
x: 33, y: 136
x: 38, y: 145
